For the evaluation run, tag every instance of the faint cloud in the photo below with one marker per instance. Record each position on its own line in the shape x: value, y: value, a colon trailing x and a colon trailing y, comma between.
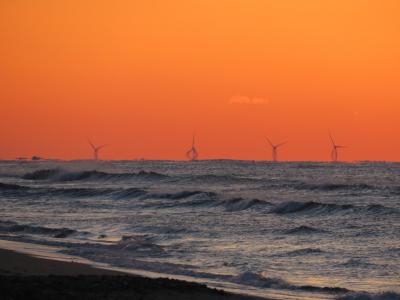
x: 240, y: 99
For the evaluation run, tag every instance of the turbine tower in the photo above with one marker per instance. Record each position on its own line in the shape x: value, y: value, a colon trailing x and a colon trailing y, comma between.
x: 192, y: 154
x: 275, y: 150
x: 95, y: 150
x: 334, y: 152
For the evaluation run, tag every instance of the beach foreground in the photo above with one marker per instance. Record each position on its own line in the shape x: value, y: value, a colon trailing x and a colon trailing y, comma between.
x: 26, y: 277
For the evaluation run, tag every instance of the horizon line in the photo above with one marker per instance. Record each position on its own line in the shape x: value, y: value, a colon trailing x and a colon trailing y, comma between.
x: 199, y: 160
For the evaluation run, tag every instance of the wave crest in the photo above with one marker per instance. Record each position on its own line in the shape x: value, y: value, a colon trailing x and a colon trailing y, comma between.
x: 8, y: 187
x: 63, y: 175
x: 12, y: 227
x: 295, y: 207
x: 177, y: 196
x: 304, y: 230
x: 239, y: 204
x: 292, y: 207
x: 138, y: 243
x: 254, y: 279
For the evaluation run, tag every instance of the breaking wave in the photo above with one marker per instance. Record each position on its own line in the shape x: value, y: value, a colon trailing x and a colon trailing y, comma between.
x: 21, y: 191
x: 63, y: 175
x: 296, y: 207
x: 12, y: 227
x: 138, y: 243
x: 199, y: 197
x: 109, y: 193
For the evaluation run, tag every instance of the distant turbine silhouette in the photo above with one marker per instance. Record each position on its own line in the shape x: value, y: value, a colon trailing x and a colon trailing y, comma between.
x: 334, y: 152
x: 192, y: 154
x: 275, y: 150
x: 95, y: 150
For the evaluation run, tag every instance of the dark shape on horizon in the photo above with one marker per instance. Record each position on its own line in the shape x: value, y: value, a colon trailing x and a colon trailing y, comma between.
x: 192, y: 154
x: 95, y: 150
x: 275, y: 150
x: 36, y: 158
x: 334, y: 152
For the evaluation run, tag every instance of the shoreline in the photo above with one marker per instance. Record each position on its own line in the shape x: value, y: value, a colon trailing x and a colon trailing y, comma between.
x: 24, y: 275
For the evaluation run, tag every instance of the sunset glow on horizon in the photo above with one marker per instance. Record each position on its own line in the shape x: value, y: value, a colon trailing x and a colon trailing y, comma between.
x: 143, y: 76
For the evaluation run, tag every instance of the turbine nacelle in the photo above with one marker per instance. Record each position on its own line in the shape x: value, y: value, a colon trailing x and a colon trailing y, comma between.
x: 192, y: 154
x: 334, y: 152
x: 96, y: 149
x: 275, y: 149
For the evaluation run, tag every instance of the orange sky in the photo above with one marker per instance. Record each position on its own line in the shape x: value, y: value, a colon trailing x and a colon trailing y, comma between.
x: 141, y: 76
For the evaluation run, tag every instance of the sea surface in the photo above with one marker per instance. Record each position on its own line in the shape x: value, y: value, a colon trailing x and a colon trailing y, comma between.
x: 280, y: 230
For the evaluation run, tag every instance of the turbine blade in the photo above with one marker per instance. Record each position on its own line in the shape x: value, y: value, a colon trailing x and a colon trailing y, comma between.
x: 102, y: 146
x: 332, y: 140
x: 272, y: 145
x: 281, y: 144
x: 91, y: 144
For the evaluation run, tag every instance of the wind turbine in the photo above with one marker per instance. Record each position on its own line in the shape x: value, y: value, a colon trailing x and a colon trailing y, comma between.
x: 95, y: 149
x: 334, y: 152
x: 192, y: 154
x: 275, y: 150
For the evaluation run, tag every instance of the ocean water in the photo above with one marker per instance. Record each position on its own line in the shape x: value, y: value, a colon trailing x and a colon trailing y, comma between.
x: 279, y: 230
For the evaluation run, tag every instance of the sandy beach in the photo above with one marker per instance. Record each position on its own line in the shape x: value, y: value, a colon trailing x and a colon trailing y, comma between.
x: 23, y: 276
